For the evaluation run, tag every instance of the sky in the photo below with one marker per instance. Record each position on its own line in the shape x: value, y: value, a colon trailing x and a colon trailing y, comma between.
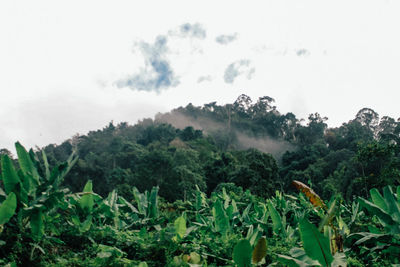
x: 68, y: 67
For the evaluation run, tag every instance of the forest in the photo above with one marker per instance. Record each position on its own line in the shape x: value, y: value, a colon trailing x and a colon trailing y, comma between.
x: 239, y: 184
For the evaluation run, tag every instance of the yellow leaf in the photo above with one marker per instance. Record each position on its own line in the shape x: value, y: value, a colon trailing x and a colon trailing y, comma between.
x: 310, y: 194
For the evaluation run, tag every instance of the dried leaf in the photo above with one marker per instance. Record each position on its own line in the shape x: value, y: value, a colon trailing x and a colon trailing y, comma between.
x: 260, y: 250
x: 310, y: 194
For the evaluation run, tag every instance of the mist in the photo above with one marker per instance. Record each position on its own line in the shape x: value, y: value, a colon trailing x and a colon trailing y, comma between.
x: 242, y: 141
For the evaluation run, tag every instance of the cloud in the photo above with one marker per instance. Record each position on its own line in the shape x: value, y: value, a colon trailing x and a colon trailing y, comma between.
x: 207, y: 78
x: 157, y: 73
x: 226, y: 39
x: 188, y: 30
x: 193, y: 30
x: 302, y: 52
x: 237, y: 68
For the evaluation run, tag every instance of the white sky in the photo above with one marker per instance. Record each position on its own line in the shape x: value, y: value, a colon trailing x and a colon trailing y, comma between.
x: 60, y: 60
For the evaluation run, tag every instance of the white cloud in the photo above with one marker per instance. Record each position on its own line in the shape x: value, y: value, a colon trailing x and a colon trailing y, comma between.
x: 238, y: 68
x: 206, y: 78
x: 226, y: 38
x: 157, y: 73
x: 190, y: 30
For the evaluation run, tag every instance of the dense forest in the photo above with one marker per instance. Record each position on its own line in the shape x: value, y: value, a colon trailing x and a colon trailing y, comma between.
x: 251, y: 145
x: 216, y: 183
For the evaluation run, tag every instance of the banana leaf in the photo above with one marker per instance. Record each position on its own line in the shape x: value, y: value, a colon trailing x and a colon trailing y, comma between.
x: 180, y: 226
x: 220, y: 218
x: 87, y: 202
x: 26, y: 163
x: 315, y: 244
x: 37, y: 225
x: 242, y: 253
x: 9, y: 175
x: 7, y: 208
x: 310, y: 194
x: 276, y: 218
x: 260, y: 250
x: 153, y: 203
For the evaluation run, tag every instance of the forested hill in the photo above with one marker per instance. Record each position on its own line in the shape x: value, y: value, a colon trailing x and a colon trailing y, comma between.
x: 247, y: 144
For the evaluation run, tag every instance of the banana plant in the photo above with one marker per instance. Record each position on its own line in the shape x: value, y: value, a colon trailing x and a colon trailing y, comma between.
x: 318, y: 248
x: 82, y: 204
x: 147, y: 203
x: 33, y: 196
x: 386, y: 208
x: 220, y: 218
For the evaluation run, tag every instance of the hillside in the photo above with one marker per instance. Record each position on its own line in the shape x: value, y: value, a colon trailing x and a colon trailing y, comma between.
x: 250, y: 144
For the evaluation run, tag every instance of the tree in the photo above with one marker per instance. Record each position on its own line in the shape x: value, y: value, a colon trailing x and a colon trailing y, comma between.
x: 257, y: 171
x: 379, y: 165
x: 386, y: 130
x: 242, y: 104
x: 263, y: 106
x: 368, y: 118
x: 313, y: 132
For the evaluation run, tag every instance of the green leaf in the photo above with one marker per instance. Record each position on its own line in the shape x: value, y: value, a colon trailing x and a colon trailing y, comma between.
x: 153, y: 205
x: 220, y: 218
x: 378, y: 200
x: 398, y: 194
x: 86, y: 202
x: 55, y: 173
x: 367, y: 236
x: 140, y: 200
x: 46, y: 165
x: 75, y: 220
x: 7, y: 208
x: 315, y: 244
x: 143, y: 264
x: 27, y: 182
x: 245, y: 214
x: 242, y: 253
x: 328, y: 216
x: 260, y: 250
x: 26, y: 163
x: 180, y: 226
x: 123, y: 201
x: 72, y: 159
x: 375, y: 210
x: 111, y: 201
x: 85, y: 226
x: 11, y: 264
x: 393, y: 206
x: 10, y: 177
x: 37, y: 226
x: 276, y: 218
x: 200, y: 199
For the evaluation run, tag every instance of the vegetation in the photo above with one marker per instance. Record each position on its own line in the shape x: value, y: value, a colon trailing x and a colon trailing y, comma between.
x: 203, y: 195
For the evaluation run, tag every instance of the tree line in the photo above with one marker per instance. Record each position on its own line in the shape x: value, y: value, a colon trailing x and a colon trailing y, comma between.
x: 348, y: 160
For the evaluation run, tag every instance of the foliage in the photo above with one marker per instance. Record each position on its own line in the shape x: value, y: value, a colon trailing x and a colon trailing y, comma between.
x: 386, y: 238
x: 190, y: 188
x: 225, y: 229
